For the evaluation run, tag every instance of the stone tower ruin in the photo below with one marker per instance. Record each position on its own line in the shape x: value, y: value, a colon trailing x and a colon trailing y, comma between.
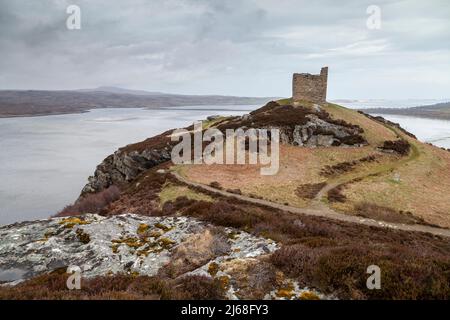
x: 310, y: 87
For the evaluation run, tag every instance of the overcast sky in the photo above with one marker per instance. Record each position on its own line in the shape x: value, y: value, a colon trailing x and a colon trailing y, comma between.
x: 245, y: 47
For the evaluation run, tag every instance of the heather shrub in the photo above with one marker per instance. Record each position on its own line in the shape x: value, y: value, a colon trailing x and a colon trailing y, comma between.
x: 405, y: 273
x: 199, y: 288
x: 261, y: 279
x: 329, y: 255
x: 374, y: 211
x: 215, y: 185
x: 335, y: 195
x: 333, y: 256
x: 235, y: 191
x: 123, y: 287
x: 91, y: 203
x: 223, y: 213
x: 353, y: 139
x: 309, y: 190
x: 400, y: 146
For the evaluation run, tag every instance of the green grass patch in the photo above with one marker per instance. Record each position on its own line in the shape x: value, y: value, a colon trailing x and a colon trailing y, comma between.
x: 284, y: 102
x: 171, y: 192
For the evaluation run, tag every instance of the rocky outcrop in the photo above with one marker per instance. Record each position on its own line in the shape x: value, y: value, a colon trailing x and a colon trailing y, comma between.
x: 123, y: 244
x: 301, y: 126
x: 320, y: 133
x: 124, y: 166
x: 130, y: 245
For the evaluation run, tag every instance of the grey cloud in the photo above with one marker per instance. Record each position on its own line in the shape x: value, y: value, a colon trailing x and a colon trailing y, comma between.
x: 247, y: 47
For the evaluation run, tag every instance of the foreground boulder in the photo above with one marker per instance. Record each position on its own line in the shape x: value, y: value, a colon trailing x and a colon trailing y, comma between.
x: 130, y: 245
x: 119, y: 244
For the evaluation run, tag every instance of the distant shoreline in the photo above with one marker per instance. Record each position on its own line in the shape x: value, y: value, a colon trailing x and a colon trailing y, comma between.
x: 34, y: 103
x: 410, y: 112
x: 45, y: 114
x: 99, y: 108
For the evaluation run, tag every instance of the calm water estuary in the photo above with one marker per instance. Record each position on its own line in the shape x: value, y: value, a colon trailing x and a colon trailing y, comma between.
x: 45, y: 161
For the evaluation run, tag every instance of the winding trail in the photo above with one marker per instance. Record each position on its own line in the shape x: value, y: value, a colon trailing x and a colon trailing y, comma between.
x: 320, y: 210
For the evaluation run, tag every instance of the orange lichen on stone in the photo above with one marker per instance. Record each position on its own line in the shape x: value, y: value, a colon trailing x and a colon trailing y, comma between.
x: 224, y: 282
x: 286, y: 292
x: 308, y: 295
x: 142, y: 228
x: 213, y: 268
x: 162, y: 227
x: 72, y: 221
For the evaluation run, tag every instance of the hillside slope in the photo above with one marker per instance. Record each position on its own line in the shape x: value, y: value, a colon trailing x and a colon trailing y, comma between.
x: 171, y: 238
x: 330, y: 156
x: 371, y: 179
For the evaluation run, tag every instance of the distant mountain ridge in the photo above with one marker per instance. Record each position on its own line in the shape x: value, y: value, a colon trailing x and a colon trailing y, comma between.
x: 122, y: 91
x: 434, y: 111
x: 20, y: 103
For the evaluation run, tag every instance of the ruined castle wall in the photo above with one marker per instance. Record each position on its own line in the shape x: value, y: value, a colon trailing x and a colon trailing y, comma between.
x: 310, y: 87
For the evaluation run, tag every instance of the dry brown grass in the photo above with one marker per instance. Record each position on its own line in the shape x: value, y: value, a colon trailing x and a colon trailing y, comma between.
x: 416, y: 183
x: 170, y: 192
x: 374, y: 132
x: 419, y: 186
x: 298, y: 166
x: 196, y: 251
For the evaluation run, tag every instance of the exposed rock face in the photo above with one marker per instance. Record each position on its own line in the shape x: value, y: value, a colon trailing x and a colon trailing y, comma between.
x: 128, y: 244
x: 122, y: 167
x: 166, y: 247
x: 319, y: 133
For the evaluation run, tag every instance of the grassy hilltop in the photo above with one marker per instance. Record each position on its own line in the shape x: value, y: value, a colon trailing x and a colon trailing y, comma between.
x: 364, y: 180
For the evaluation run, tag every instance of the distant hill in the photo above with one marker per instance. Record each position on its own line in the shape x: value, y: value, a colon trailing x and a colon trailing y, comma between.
x: 434, y: 111
x: 19, y: 103
x: 122, y: 91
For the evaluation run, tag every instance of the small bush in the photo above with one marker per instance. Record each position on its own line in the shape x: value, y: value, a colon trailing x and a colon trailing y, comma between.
x: 200, y: 288
x: 338, y: 168
x: 374, y: 211
x: 309, y: 190
x: 234, y: 191
x: 91, y: 203
x: 353, y: 140
x: 343, y: 167
x: 123, y: 287
x: 401, y: 147
x: 215, y: 185
x: 335, y: 194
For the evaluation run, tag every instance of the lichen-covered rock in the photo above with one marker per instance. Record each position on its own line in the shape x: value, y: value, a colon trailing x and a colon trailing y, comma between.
x: 122, y: 167
x: 290, y: 290
x: 320, y: 133
x: 128, y: 243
